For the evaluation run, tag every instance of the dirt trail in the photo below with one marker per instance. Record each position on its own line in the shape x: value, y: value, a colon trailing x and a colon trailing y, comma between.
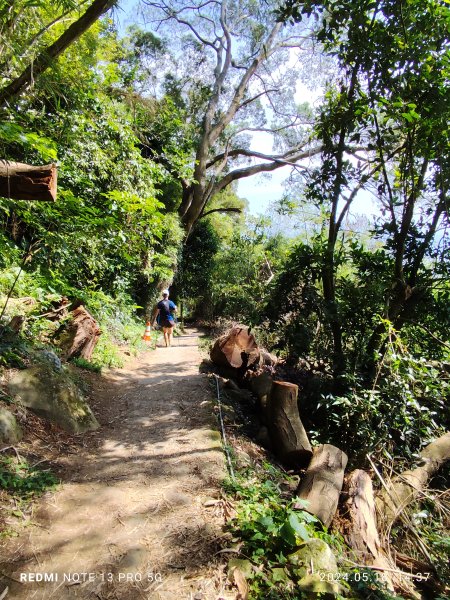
x: 135, y: 517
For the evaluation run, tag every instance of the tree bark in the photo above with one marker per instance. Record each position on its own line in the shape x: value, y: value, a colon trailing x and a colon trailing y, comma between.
x: 361, y: 531
x: 406, y: 487
x: 44, y: 59
x: 260, y: 385
x: 25, y: 182
x: 81, y: 335
x: 237, y: 348
x: 323, y: 481
x: 286, y: 430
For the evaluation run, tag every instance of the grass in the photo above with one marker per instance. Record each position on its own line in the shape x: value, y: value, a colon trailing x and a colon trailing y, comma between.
x: 205, y: 343
x: 88, y: 365
x: 24, y: 481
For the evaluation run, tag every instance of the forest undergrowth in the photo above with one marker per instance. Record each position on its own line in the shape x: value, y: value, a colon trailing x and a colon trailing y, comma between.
x: 268, y: 524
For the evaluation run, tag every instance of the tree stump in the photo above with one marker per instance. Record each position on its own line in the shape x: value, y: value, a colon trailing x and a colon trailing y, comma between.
x: 25, y: 182
x: 237, y: 348
x: 81, y: 335
x: 286, y: 430
x: 323, y: 481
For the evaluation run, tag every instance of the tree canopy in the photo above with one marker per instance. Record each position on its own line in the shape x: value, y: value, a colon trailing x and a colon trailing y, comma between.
x: 232, y: 74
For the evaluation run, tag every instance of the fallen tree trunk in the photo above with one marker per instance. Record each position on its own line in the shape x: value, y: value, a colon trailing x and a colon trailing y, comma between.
x: 286, y: 430
x: 406, y: 487
x: 80, y: 336
x: 323, y: 481
x: 25, y: 182
x: 359, y: 508
x: 237, y: 348
x: 361, y: 533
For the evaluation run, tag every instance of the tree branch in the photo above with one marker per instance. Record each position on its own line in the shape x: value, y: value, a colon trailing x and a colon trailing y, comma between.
x: 242, y: 86
x: 250, y: 100
x: 213, y: 210
x: 288, y: 159
x: 264, y: 168
x: 45, y: 58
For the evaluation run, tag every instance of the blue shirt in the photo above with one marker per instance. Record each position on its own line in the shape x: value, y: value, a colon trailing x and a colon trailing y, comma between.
x: 165, y: 309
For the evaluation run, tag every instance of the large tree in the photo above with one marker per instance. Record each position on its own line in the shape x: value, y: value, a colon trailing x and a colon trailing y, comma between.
x: 235, y: 69
x: 392, y: 97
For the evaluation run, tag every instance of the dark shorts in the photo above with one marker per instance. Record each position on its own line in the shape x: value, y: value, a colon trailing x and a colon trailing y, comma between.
x: 167, y: 323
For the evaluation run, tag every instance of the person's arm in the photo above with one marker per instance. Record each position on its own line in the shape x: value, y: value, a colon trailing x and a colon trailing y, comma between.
x: 155, y: 314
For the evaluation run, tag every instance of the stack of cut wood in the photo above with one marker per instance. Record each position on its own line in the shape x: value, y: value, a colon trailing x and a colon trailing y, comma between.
x: 323, y: 485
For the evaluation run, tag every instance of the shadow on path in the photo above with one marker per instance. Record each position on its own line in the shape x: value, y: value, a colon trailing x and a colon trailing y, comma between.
x: 132, y: 503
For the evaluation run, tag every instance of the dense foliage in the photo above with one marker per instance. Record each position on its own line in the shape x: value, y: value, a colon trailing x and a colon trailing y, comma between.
x: 151, y: 134
x: 109, y: 229
x: 125, y: 139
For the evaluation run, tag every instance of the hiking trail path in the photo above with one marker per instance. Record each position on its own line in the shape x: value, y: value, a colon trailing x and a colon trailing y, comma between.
x: 138, y: 514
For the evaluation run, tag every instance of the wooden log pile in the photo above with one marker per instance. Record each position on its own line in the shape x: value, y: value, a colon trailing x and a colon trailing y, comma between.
x: 323, y: 488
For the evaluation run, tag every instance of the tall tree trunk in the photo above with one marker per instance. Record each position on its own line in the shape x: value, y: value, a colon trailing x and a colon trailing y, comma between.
x: 45, y: 58
x: 406, y: 294
x: 329, y: 268
x: 328, y: 283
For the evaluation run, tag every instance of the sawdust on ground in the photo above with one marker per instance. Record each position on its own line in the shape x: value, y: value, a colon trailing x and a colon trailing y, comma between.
x: 139, y: 512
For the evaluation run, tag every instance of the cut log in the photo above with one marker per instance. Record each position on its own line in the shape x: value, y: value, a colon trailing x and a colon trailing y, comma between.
x: 80, y: 336
x: 16, y: 323
x: 323, y: 481
x: 260, y: 385
x: 359, y: 508
x: 406, y: 487
x: 237, y: 349
x: 360, y: 528
x: 25, y: 182
x: 286, y: 430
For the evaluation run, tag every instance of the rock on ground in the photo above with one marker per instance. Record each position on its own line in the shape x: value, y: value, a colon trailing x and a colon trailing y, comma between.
x: 10, y: 431
x: 52, y: 394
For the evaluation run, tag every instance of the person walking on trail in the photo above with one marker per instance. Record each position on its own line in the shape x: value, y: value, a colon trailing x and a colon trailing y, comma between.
x: 164, y: 314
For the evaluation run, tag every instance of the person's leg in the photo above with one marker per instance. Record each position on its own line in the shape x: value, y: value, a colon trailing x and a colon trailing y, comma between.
x: 170, y: 333
x: 166, y: 336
